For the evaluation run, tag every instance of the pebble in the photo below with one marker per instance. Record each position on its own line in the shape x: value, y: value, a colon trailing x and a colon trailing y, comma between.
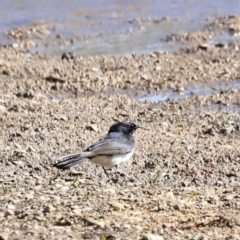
x: 204, y: 46
x: 4, y: 236
x: 29, y: 44
x: 154, y: 237
x: 19, y: 163
x: 11, y: 207
x: 3, y: 109
x: 92, y: 127
x: 77, y: 211
x: 117, y: 205
x: 29, y: 196
x: 94, y: 69
x: 9, y: 213
x: 95, y: 222
x: 56, y: 200
x: 67, y: 56
x: 49, y: 209
x: 169, y: 196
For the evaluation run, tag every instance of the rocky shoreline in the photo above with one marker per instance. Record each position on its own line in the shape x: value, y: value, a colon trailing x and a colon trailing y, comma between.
x: 186, y: 169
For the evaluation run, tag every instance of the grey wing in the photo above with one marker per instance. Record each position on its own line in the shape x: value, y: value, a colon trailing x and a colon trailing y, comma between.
x: 108, y: 147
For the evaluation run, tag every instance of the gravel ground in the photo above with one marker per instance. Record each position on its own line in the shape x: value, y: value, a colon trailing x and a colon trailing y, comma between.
x: 185, y: 170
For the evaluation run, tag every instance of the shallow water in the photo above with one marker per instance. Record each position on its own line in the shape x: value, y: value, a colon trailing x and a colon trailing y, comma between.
x: 199, y: 89
x: 111, y: 24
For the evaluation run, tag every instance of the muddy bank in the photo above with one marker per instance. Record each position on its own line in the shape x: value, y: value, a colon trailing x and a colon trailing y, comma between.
x: 185, y: 170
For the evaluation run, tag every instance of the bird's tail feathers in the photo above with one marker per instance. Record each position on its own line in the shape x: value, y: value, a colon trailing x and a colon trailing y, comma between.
x: 70, y: 160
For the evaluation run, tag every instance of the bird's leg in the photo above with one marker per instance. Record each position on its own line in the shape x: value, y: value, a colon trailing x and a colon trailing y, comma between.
x: 105, y: 171
x: 121, y: 171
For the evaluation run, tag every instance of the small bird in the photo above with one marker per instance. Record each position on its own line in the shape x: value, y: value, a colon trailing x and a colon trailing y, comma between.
x: 115, y: 147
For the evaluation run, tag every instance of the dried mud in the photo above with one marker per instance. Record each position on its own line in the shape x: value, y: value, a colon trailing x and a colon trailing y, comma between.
x: 185, y: 170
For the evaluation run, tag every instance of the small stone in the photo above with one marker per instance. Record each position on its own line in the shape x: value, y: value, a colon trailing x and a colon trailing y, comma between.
x: 8, y: 213
x: 220, y: 45
x: 1, y: 215
x: 49, y: 209
x: 92, y: 221
x: 56, y: 200
x: 6, y: 72
x: 38, y: 187
x: 4, y: 236
x: 61, y: 117
x: 180, y: 89
x: 204, y: 46
x: 29, y: 196
x: 77, y: 212
x: 176, y: 207
x: 92, y: 127
x: 144, y: 77
x: 110, y: 190
x: 117, y: 205
x: 94, y: 69
x: 15, y: 45
x: 65, y: 188
x: 227, y: 147
x: 169, y: 196
x: 43, y: 198
x: 19, y: 163
x: 3, y: 109
x: 30, y: 44
x: 11, y: 207
x: 57, y: 185
x: 87, y: 209
x: 154, y: 237
x: 67, y: 56
x: 165, y: 125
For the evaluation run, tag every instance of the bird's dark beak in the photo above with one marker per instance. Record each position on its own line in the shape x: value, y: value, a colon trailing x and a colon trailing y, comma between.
x: 142, y: 128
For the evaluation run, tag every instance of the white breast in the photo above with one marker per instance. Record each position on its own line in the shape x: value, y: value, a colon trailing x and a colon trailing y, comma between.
x: 111, y: 161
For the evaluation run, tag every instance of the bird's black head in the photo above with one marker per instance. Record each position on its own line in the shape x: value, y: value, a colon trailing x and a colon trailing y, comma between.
x: 124, y: 127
